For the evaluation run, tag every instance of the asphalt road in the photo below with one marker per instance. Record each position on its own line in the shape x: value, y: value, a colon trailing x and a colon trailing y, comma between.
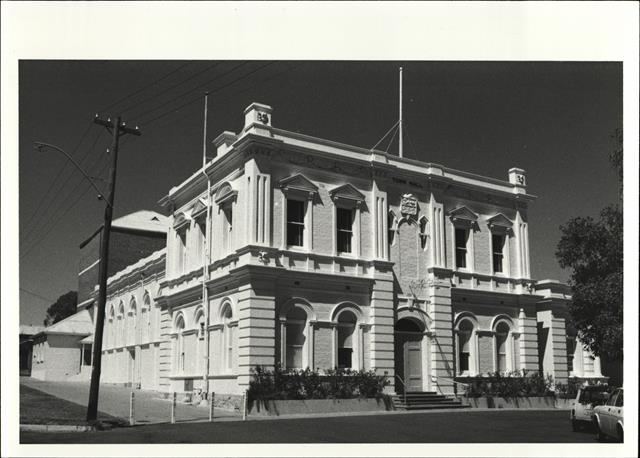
x: 517, y: 426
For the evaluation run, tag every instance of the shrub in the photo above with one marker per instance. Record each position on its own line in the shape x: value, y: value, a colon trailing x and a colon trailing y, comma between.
x: 310, y: 384
x: 512, y: 385
x: 568, y: 390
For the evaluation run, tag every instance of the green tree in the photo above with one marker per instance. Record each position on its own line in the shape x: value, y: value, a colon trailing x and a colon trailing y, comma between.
x: 593, y: 250
x: 65, y: 306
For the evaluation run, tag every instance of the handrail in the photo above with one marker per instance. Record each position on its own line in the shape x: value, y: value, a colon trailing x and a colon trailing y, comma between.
x: 450, y: 380
x: 404, y: 389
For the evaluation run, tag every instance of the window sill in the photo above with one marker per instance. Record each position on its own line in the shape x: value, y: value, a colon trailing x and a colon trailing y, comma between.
x: 345, y: 254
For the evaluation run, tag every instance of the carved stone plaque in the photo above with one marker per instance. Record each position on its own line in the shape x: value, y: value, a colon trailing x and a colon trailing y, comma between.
x: 409, y: 205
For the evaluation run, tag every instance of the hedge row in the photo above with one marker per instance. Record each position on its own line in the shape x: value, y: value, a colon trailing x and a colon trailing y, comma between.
x: 310, y: 384
x: 512, y: 385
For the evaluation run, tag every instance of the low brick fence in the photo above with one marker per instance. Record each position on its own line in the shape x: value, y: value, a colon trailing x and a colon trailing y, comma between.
x: 310, y: 406
x: 533, y: 402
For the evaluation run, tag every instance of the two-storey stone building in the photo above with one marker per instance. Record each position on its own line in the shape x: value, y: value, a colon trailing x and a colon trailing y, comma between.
x: 299, y: 251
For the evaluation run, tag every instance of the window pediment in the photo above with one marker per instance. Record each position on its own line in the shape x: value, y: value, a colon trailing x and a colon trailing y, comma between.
x: 300, y: 183
x: 199, y: 208
x: 225, y: 193
x: 463, y: 215
x: 346, y: 192
x: 499, y: 221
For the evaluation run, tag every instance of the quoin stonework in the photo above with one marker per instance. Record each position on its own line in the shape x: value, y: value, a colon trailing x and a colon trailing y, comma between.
x: 303, y: 252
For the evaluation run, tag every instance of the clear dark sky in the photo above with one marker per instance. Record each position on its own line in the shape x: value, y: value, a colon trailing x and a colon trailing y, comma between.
x: 553, y: 119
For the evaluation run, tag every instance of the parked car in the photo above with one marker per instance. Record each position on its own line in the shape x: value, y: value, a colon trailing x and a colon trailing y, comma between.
x: 587, y: 398
x: 608, y: 418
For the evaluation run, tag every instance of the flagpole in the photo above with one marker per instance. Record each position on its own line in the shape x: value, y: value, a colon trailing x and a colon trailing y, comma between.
x: 400, y: 116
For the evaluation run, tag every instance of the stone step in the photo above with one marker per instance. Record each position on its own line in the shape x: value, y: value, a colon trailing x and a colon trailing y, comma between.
x: 432, y: 406
x: 420, y: 396
x: 426, y: 400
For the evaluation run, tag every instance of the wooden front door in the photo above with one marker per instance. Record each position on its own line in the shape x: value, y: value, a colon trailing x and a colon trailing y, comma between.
x: 408, y: 360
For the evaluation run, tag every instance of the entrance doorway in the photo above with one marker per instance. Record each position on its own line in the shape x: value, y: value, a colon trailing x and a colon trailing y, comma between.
x: 408, y: 355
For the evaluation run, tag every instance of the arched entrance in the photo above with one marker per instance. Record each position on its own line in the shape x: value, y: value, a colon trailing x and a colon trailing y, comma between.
x: 408, y: 354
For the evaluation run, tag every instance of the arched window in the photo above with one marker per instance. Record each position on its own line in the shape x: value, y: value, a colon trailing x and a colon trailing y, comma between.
x: 228, y: 342
x: 467, y: 360
x: 179, y: 345
x: 346, y: 339
x: 502, y: 347
x: 423, y: 232
x: 200, y: 324
x: 121, y: 336
x: 464, y: 346
x: 296, y: 327
x: 131, y: 328
x: 145, y: 318
x: 111, y: 328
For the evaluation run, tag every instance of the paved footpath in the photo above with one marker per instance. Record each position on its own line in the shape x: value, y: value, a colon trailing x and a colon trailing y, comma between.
x: 114, y: 400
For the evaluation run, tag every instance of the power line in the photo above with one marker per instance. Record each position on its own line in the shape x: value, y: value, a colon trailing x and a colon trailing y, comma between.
x: 59, y: 190
x: 134, y: 93
x: 37, y: 295
x: 62, y: 168
x: 62, y: 215
x: 154, y: 96
x: 227, y: 96
x: 147, y: 122
x: 46, y: 225
x: 142, y: 114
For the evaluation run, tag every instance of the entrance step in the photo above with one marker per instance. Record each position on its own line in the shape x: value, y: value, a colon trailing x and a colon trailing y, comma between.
x: 426, y: 400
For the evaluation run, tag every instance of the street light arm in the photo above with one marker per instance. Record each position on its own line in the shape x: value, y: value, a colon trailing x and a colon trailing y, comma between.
x: 40, y: 145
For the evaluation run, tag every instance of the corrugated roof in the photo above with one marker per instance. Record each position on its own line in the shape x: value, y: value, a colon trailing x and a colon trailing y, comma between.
x: 142, y: 220
x: 77, y: 324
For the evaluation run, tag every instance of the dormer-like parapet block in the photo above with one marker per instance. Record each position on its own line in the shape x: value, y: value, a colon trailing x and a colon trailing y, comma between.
x: 223, y: 142
x: 518, y: 178
x: 257, y: 116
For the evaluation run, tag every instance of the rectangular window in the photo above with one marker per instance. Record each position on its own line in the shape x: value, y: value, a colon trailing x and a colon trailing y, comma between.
x: 86, y: 356
x: 345, y: 229
x: 295, y: 344
x: 463, y: 355
x: 461, y: 248
x: 295, y: 223
x: 497, y: 242
x: 230, y: 348
x: 181, y: 255
x: 501, y: 343
x: 202, y: 231
x: 228, y: 226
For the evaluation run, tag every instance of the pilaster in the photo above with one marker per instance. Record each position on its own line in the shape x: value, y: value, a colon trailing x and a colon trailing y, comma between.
x: 436, y: 222
x: 442, y: 348
x: 256, y: 323
x: 382, y: 321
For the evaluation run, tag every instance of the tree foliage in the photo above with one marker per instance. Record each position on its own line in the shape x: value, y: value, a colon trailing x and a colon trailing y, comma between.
x: 65, y: 306
x: 593, y: 250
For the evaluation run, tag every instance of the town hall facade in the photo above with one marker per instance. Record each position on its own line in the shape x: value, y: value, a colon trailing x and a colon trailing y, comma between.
x: 293, y: 250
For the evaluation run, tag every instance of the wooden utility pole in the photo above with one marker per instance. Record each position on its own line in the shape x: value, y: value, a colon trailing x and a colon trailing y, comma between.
x: 117, y: 128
